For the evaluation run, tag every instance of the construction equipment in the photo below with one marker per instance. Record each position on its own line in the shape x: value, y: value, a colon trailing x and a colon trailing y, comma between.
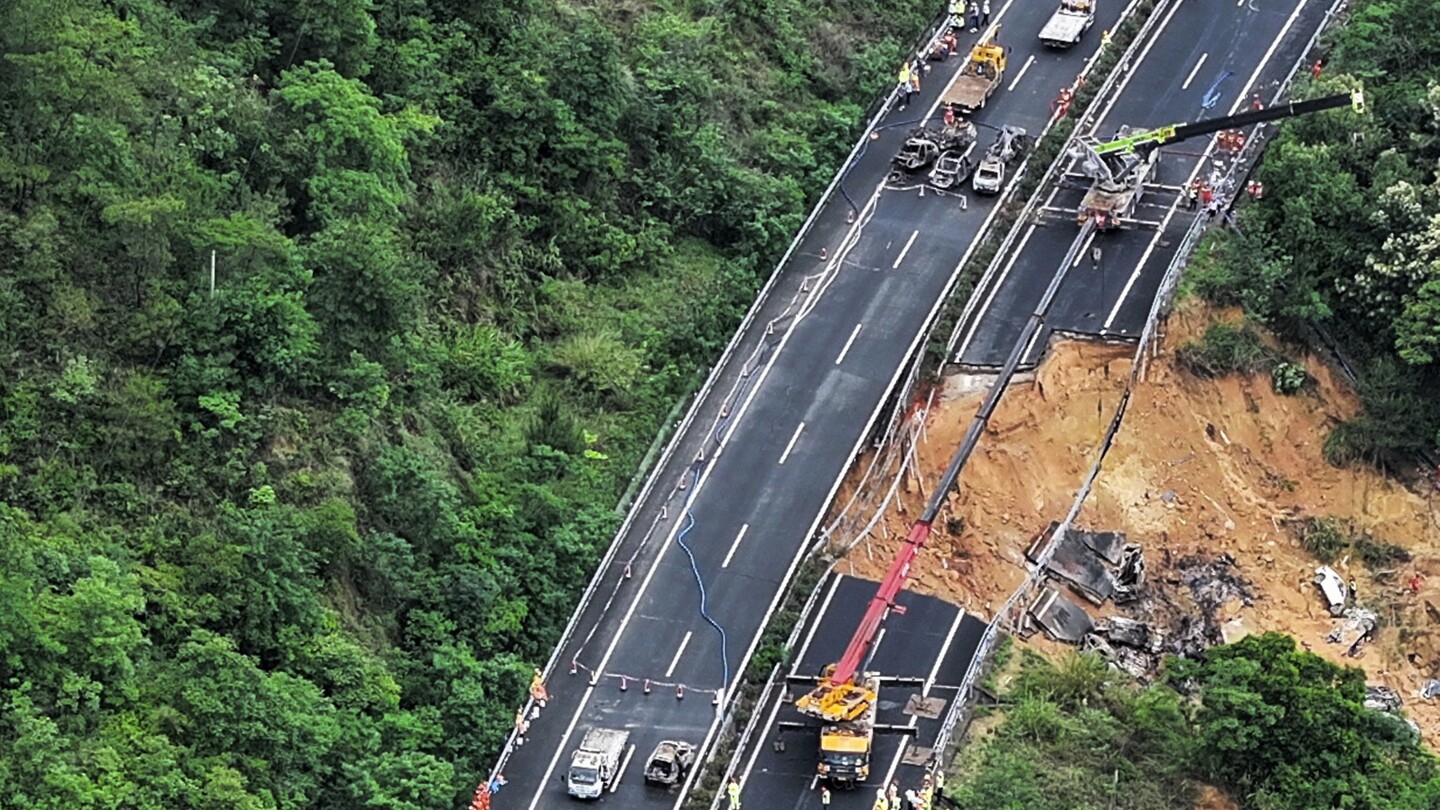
x: 1009, y: 145
x: 596, y: 765
x: 1121, y: 168
x: 669, y: 762
x: 1069, y: 22
x: 845, y: 695
x: 980, y: 77
x: 845, y: 745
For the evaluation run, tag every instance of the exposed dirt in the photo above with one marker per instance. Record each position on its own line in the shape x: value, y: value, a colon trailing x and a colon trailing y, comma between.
x: 1201, y: 468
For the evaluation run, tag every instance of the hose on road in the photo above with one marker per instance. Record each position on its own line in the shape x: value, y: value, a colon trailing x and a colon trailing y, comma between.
x: 700, y: 581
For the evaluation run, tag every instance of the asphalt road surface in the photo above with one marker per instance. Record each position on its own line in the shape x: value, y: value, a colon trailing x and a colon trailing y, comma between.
x: 1220, y: 52
x: 933, y: 640
x: 787, y: 412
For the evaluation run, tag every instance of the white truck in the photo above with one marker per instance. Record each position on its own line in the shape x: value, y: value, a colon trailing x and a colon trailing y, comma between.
x: 1068, y: 23
x: 595, y: 766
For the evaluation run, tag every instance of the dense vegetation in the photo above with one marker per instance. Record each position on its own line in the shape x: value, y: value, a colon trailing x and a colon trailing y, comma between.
x: 1275, y: 727
x: 297, y: 542
x: 1348, y: 235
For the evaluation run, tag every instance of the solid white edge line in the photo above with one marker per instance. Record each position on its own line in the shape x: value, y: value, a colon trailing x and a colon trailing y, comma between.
x: 944, y: 648
x: 1240, y: 99
x: 791, y: 446
x: 1119, y: 90
x: 839, y: 479
x: 620, y: 774
x: 794, y: 668
x: 846, y: 350
x: 731, y: 553
x: 1021, y: 74
x: 905, y: 249
x: 614, y: 642
x: 994, y: 290
x: 824, y: 606
x: 1191, y: 77
x: 679, y: 651
x: 1084, y: 250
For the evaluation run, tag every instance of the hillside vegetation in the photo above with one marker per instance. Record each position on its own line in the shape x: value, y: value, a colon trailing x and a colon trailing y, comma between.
x: 1348, y: 235
x: 1276, y: 727
x: 296, y: 542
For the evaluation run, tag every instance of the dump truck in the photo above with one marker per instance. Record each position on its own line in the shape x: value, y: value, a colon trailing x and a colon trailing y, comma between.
x: 1068, y: 23
x: 595, y: 765
x: 669, y: 762
x: 1009, y: 145
x: 845, y: 745
x: 981, y: 75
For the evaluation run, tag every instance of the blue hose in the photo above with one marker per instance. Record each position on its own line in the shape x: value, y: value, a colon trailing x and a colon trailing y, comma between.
x: 700, y: 582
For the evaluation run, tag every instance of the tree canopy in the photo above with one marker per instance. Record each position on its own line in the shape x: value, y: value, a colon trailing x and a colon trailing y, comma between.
x: 297, y: 540
x: 1347, y: 237
x: 1275, y: 727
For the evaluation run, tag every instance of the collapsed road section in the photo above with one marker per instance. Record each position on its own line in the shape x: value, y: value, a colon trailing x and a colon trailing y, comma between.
x: 676, y: 609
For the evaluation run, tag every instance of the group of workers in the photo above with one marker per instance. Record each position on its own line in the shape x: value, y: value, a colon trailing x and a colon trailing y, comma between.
x: 1230, y: 140
x: 910, y: 81
x: 979, y: 13
x: 892, y: 798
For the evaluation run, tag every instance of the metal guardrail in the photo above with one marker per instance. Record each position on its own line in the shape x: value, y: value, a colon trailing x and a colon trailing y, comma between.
x: 1028, y: 212
x: 878, y: 112
x: 1010, y: 614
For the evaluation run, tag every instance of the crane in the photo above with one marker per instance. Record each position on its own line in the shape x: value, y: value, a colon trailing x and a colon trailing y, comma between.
x: 1120, y: 167
x: 845, y: 693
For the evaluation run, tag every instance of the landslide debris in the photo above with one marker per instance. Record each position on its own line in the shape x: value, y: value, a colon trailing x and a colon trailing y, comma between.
x: 1213, y: 476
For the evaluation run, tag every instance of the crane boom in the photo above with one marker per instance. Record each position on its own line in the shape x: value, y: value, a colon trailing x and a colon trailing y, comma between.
x: 1160, y: 136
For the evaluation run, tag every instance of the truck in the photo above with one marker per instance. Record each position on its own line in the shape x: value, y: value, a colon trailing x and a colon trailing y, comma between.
x: 1122, y: 167
x: 845, y: 745
x: 1068, y: 23
x: 669, y: 762
x: 982, y: 74
x: 595, y: 766
x: 1009, y: 145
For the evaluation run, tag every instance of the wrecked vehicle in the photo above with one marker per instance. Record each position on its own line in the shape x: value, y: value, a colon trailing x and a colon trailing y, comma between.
x: 669, y: 762
x: 1332, y: 587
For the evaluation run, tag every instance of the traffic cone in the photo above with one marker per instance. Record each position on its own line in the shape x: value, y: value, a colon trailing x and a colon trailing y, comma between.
x: 624, y: 684
x: 647, y: 686
x: 680, y: 691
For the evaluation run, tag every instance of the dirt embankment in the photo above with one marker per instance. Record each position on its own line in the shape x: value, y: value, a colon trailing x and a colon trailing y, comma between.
x: 1204, y: 467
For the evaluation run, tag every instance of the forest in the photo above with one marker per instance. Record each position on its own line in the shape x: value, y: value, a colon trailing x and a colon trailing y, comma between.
x: 1275, y: 727
x: 331, y: 335
x: 1344, y: 248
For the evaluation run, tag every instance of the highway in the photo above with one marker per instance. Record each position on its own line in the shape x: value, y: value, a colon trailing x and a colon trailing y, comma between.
x: 933, y: 640
x: 765, y: 447
x: 1245, y: 43
x: 1222, y: 53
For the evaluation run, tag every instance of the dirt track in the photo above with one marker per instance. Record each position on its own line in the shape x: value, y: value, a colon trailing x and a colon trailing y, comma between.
x: 1201, y: 466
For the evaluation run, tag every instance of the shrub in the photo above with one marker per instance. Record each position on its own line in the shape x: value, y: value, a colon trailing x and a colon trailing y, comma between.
x: 1226, y: 349
x: 1289, y: 378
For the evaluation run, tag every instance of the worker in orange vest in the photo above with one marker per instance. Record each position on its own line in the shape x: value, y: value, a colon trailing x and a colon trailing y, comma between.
x: 1317, y: 68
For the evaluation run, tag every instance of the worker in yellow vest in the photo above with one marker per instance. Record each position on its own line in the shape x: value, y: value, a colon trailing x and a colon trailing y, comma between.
x: 733, y: 793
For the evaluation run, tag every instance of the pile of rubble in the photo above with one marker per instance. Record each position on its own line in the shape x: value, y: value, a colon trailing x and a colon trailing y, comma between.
x: 1102, y: 566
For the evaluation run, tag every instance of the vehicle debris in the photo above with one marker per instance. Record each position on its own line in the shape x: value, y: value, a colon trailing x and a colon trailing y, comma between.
x: 1332, y: 587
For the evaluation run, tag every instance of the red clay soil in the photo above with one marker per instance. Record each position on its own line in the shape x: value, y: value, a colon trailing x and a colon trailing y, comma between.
x: 1201, y: 466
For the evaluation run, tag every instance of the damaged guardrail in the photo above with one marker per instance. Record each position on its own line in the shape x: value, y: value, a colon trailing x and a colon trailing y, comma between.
x: 1011, y: 613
